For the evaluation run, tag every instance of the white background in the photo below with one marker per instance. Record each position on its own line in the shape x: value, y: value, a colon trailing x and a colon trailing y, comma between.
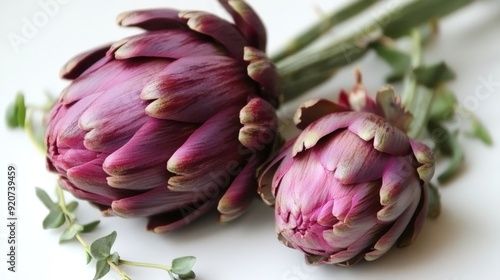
x: 463, y: 243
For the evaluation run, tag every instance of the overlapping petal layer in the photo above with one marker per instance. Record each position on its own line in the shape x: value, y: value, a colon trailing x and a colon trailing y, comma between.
x: 171, y: 123
x: 350, y: 186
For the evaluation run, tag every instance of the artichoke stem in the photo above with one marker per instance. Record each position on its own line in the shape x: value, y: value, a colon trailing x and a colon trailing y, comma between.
x: 298, y: 71
x: 321, y: 27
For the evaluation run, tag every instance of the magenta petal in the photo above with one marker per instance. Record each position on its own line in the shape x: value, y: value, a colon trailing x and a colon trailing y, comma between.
x: 62, y: 128
x: 217, y: 28
x: 114, y: 117
x: 259, y: 124
x: 248, y: 22
x: 358, y: 98
x: 142, y: 162
x: 425, y: 157
x: 400, y: 186
x: 78, y: 193
x: 209, y: 183
x: 353, y: 253
x: 314, y: 109
x: 273, y: 172
x: 89, y: 176
x: 391, y: 236
x: 193, y: 89
x: 100, y: 63
x: 264, y: 72
x: 210, y: 147
x: 75, y: 157
x: 151, y: 178
x: 157, y: 19
x: 240, y: 193
x: 304, y: 172
x: 166, y: 43
x: 110, y: 75
x: 109, y: 127
x: 417, y: 222
x: 152, y: 202
x: 392, y: 109
x: 322, y: 127
x: 180, y: 217
x: 78, y: 64
x: 325, y: 216
x: 386, y: 138
x: 350, y: 158
x: 360, y: 215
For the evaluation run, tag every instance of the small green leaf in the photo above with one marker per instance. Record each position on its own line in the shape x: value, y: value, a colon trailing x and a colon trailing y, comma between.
x: 90, y: 226
x: 21, y: 109
x: 183, y: 265
x: 11, y: 116
x: 72, y: 206
x: 102, y: 268
x: 71, y: 232
x: 434, y: 75
x: 443, y: 105
x: 189, y: 275
x: 45, y: 198
x: 457, y: 160
x: 71, y: 217
x: 54, y: 219
x: 115, y: 258
x: 88, y: 257
x: 100, y: 248
x: 397, y: 60
x: 434, y: 202
x: 16, y: 112
x: 479, y: 131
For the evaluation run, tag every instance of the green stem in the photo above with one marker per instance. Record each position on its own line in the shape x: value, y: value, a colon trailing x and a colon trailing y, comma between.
x: 66, y: 212
x: 419, y: 104
x: 123, y: 275
x: 148, y: 265
x: 410, y: 82
x: 411, y: 85
x: 308, y: 69
x: 323, y: 26
x: 32, y: 134
x: 86, y: 247
x: 421, y: 111
x: 83, y: 243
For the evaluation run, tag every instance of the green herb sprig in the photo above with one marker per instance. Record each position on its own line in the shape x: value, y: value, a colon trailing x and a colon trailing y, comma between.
x: 61, y: 213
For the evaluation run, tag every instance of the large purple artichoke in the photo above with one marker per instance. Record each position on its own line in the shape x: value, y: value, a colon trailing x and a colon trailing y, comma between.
x: 352, y: 184
x: 170, y: 123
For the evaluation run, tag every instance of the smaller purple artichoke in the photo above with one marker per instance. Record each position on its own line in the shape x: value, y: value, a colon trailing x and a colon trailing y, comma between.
x: 352, y: 184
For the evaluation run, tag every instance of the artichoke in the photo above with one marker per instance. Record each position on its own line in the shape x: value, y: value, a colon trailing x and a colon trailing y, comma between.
x: 351, y: 184
x: 171, y: 123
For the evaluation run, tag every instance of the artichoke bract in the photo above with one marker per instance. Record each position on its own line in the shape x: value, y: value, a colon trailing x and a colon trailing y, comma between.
x: 170, y: 123
x: 351, y: 184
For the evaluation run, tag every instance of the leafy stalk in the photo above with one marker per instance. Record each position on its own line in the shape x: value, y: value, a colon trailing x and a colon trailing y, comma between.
x: 321, y: 27
x: 100, y: 250
x: 310, y: 68
x: 418, y: 104
x: 21, y: 115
